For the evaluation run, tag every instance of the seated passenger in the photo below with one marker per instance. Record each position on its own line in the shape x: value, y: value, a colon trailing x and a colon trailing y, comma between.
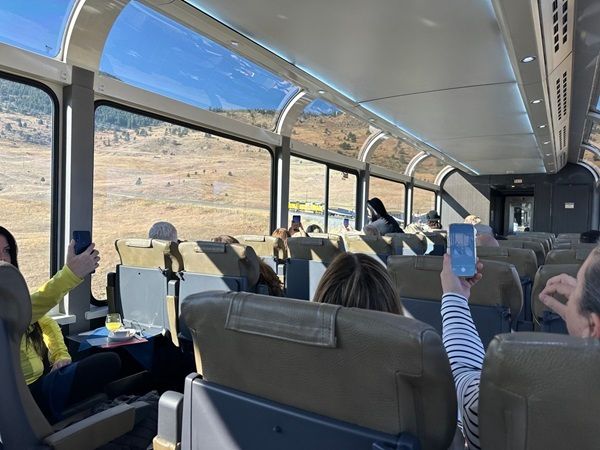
x: 463, y: 345
x: 296, y: 229
x: 283, y: 234
x: 355, y: 280
x: 590, y: 237
x: 163, y: 231
x: 485, y: 236
x: 371, y: 230
x: 314, y: 228
x: 472, y: 219
x: 434, y: 222
x: 67, y: 382
x: 381, y: 219
x: 267, y: 276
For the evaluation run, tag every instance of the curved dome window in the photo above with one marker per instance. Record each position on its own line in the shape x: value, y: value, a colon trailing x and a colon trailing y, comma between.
x: 152, y: 52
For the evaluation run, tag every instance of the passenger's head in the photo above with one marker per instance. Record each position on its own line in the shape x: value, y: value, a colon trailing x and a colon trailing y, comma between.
x: 163, y: 231
x: 314, y: 228
x: 371, y: 230
x: 225, y: 239
x: 487, y: 240
x: 376, y: 208
x: 269, y: 278
x: 355, y: 280
x: 590, y: 237
x: 434, y: 220
x: 473, y: 219
x: 8, y: 247
x: 282, y: 233
x: 582, y: 314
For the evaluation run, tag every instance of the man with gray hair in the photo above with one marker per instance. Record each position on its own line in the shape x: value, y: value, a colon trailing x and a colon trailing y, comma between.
x: 485, y: 236
x: 164, y: 231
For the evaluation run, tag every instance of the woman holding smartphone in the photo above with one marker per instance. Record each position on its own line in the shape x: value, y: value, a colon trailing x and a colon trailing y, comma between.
x: 66, y: 383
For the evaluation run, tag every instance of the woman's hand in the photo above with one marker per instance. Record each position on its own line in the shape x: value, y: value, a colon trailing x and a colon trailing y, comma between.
x: 60, y: 364
x: 458, y: 285
x: 84, y: 263
x: 562, y: 284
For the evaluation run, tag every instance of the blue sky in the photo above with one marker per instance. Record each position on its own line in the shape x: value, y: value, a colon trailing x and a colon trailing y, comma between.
x: 35, y: 25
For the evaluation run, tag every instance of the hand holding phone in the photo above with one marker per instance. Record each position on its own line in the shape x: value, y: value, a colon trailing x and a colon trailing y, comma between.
x: 83, y: 239
x: 346, y: 223
x: 462, y: 249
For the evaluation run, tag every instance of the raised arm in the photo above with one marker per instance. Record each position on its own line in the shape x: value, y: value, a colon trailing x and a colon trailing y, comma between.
x: 463, y: 346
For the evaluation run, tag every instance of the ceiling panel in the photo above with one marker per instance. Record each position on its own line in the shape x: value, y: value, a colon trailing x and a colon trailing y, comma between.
x: 515, y: 166
x: 474, y: 111
x: 372, y: 50
x: 522, y: 146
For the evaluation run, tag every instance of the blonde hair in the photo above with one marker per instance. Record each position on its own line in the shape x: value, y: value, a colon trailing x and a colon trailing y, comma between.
x: 473, y: 219
x: 355, y: 280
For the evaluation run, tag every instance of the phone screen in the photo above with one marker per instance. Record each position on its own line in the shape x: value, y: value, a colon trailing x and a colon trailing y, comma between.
x: 83, y: 239
x: 462, y: 249
x: 296, y: 218
x: 346, y: 222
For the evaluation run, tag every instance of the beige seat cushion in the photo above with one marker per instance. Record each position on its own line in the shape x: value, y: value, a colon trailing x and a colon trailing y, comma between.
x: 377, y: 370
x: 368, y: 244
x: 523, y: 259
x: 413, y: 241
x: 418, y: 277
x: 315, y: 248
x: 149, y: 253
x: 573, y: 256
x: 264, y: 246
x: 537, y: 247
x: 216, y: 258
x: 538, y: 391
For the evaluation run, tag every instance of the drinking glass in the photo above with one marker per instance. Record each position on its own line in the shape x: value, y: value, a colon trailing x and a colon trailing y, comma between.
x: 113, y: 321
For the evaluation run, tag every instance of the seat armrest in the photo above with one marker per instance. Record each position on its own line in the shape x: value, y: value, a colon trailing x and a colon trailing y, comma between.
x: 94, y: 431
x: 170, y: 410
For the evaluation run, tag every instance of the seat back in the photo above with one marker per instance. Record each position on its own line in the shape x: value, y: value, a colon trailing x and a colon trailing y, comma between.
x: 412, y: 242
x: 537, y: 391
x: 546, y: 319
x: 573, y: 256
x: 543, y: 240
x: 435, y: 242
x: 309, y: 257
x: 574, y: 245
x: 523, y: 259
x: 336, y: 239
x: 147, y: 266
x: 22, y: 424
x: 495, y: 301
x: 378, y: 247
x: 537, y: 247
x: 264, y: 246
x: 569, y: 236
x: 368, y: 369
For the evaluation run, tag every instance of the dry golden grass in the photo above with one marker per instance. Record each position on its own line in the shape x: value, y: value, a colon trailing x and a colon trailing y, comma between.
x: 204, y: 185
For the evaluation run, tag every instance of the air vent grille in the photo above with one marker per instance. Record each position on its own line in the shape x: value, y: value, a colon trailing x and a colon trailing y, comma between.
x: 557, y: 25
x: 560, y: 83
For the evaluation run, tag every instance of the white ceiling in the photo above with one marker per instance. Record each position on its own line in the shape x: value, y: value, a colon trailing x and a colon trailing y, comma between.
x: 436, y: 68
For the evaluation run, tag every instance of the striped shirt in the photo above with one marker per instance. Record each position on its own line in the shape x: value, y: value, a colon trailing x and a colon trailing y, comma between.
x: 465, y: 352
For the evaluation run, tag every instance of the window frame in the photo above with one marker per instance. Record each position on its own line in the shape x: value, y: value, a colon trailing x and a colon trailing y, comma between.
x: 403, y: 183
x: 332, y: 166
x: 57, y: 168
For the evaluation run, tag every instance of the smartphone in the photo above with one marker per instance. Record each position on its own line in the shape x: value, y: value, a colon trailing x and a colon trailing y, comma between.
x: 83, y: 239
x: 346, y: 223
x: 462, y: 248
x: 296, y: 218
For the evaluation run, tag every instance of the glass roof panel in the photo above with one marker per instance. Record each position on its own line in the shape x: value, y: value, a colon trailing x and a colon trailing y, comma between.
x: 34, y: 25
x: 394, y: 154
x: 153, y: 52
x: 325, y: 126
x: 428, y: 169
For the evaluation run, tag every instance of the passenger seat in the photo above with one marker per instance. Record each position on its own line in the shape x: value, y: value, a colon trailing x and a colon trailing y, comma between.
x: 286, y: 374
x: 378, y: 247
x: 537, y: 247
x: 308, y: 259
x: 573, y: 256
x: 495, y: 301
x: 538, y: 392
x: 415, y: 244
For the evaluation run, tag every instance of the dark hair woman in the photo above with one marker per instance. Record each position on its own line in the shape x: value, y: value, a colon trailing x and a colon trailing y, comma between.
x: 381, y: 219
x: 66, y: 383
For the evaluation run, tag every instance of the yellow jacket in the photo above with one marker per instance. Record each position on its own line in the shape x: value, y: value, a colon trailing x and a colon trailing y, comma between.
x: 42, y: 301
